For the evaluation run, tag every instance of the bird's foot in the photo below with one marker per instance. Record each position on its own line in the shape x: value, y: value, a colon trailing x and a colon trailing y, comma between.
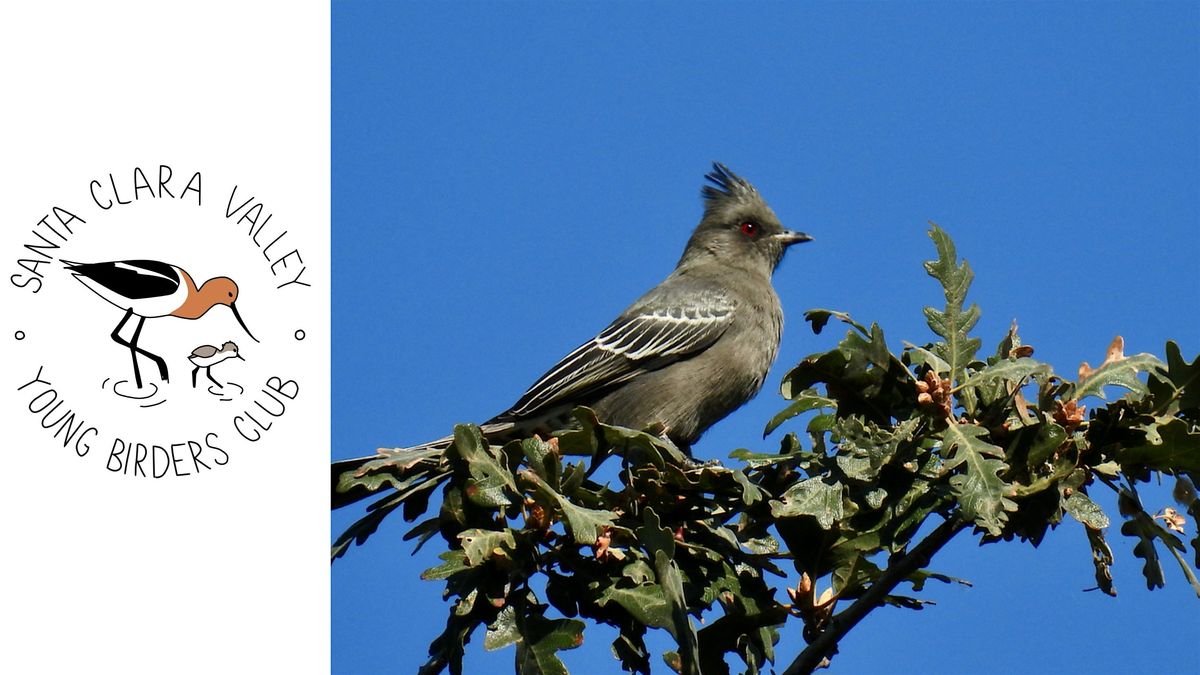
x: 693, y: 464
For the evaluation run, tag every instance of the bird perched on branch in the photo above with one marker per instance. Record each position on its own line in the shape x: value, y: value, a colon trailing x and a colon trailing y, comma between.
x: 683, y: 356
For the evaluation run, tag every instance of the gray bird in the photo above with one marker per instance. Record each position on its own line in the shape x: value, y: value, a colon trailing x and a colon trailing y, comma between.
x: 207, y: 356
x: 684, y: 355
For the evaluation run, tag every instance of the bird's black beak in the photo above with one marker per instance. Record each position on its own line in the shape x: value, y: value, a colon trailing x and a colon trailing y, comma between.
x: 789, y: 237
x: 238, y: 316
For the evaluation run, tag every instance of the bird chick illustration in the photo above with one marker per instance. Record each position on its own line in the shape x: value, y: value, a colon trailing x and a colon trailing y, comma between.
x: 207, y: 356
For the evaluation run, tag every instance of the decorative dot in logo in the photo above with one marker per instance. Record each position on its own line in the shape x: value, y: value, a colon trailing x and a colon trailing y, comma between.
x: 20, y: 335
x: 300, y: 334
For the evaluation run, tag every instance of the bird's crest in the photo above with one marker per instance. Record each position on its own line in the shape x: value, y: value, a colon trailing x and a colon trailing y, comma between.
x: 726, y: 187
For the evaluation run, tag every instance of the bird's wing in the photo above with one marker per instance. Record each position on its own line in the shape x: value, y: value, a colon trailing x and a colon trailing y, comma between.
x: 133, y: 279
x: 659, y: 329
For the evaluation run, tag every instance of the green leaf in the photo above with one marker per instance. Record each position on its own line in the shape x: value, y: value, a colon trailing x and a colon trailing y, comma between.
x: 537, y: 652
x: 447, y: 649
x: 1185, y: 494
x: 811, y: 497
x: 1144, y: 527
x: 584, y: 439
x: 1086, y: 511
x: 952, y: 324
x: 821, y: 423
x: 856, y: 467
x: 982, y: 494
x: 490, y: 482
x: 503, y: 631
x: 802, y: 403
x: 1011, y: 341
x: 1010, y: 370
x: 875, y: 497
x: 630, y: 649
x: 1178, y: 383
x: 542, y: 460
x: 1179, y: 450
x: 853, y: 545
x: 1140, y: 525
x: 639, y: 572
x: 1117, y: 370
x: 640, y: 447
x: 393, y: 467
x: 849, y: 579
x: 907, y: 602
x: 864, y: 449
x: 412, y: 490
x: 681, y: 627
x: 875, y: 348
x: 790, y: 452
x: 582, y: 523
x: 653, y: 536
x: 918, y: 579
x: 572, y: 479
x: 453, y: 562
x: 645, y: 602
x: 364, y: 527
x: 751, y: 493
x: 920, y: 356
x: 423, y: 532
x: 1177, y: 551
x: 480, y: 545
x: 819, y: 317
x: 762, y: 545
x: 1102, y: 558
x: 1047, y: 439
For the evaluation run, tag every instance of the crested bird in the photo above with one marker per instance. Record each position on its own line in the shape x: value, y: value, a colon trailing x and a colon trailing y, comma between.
x: 148, y: 289
x: 207, y: 356
x: 679, y: 359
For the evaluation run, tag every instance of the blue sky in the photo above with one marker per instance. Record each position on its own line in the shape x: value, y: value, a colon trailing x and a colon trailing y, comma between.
x: 508, y: 176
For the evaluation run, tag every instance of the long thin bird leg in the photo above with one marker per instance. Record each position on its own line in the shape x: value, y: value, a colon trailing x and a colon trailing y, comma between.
x: 116, y: 336
x: 194, y: 371
x: 208, y: 372
x: 162, y: 365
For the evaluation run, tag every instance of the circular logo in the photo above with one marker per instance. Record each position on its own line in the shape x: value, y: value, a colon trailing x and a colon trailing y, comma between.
x: 160, y: 320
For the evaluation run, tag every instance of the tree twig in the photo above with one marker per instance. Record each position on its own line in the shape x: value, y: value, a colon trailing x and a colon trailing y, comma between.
x: 840, y: 625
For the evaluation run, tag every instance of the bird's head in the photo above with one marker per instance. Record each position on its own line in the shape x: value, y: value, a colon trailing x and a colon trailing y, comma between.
x: 738, y: 228
x: 223, y: 291
x: 220, y: 291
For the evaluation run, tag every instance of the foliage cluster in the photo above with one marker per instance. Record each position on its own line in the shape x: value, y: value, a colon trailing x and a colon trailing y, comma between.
x: 936, y: 434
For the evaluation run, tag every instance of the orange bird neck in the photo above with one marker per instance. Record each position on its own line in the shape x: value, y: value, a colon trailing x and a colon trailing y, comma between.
x: 198, y: 301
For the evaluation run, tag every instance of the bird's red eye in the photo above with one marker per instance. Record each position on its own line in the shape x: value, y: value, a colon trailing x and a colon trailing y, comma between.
x: 749, y: 229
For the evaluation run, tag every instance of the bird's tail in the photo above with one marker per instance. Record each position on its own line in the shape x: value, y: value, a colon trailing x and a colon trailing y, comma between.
x: 356, y: 479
